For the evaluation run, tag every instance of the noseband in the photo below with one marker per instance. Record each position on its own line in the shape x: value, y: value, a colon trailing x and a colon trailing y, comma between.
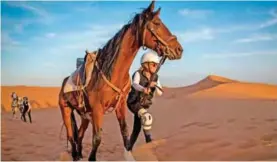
x: 161, y: 42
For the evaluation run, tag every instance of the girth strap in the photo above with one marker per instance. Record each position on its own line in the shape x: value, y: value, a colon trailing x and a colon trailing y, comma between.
x: 120, y: 92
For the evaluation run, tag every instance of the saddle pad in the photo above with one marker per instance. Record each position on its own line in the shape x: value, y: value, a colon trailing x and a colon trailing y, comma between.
x: 70, y: 86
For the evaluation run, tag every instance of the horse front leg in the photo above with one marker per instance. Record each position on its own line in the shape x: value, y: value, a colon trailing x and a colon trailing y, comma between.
x: 97, y: 121
x: 121, y: 117
x: 81, y: 133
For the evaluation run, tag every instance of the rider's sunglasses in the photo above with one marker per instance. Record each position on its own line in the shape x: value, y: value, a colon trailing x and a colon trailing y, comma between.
x: 153, y: 64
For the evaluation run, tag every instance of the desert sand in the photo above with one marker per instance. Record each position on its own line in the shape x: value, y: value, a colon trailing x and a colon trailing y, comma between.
x: 40, y: 97
x: 214, y: 119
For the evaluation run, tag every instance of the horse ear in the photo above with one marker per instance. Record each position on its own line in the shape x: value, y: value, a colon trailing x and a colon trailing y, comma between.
x: 157, y: 13
x: 151, y: 7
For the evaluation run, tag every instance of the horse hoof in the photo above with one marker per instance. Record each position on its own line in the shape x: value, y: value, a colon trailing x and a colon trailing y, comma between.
x: 92, y: 159
x: 81, y: 156
x: 76, y: 158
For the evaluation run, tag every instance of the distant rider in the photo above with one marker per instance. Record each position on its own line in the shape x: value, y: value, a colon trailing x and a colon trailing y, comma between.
x: 26, y: 109
x: 14, y: 104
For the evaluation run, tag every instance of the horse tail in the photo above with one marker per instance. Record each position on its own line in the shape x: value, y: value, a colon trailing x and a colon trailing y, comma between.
x: 73, y: 121
x: 74, y: 127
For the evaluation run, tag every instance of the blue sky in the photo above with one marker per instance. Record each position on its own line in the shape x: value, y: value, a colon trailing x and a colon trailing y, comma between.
x: 41, y: 40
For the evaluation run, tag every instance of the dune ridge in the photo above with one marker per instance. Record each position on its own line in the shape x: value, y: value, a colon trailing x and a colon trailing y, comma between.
x: 206, y: 83
x: 212, y: 86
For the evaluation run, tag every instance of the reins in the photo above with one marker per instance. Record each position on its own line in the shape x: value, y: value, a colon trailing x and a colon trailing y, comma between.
x: 121, y: 92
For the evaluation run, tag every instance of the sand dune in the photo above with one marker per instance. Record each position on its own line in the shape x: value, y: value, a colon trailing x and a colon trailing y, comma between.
x: 40, y: 97
x: 214, y: 119
x: 212, y: 86
x: 218, y: 129
x: 239, y: 90
x: 187, y: 129
x: 217, y: 86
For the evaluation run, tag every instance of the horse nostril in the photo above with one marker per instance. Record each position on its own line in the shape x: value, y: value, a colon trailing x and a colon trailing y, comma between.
x: 179, y: 49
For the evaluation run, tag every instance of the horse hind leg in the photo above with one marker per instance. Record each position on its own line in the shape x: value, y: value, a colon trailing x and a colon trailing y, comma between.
x: 67, y: 118
x: 81, y: 133
x: 69, y: 122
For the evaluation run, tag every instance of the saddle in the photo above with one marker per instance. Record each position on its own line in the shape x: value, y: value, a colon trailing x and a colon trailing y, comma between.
x: 82, y: 74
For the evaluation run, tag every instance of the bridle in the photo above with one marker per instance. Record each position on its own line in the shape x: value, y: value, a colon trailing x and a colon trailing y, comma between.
x: 162, y: 45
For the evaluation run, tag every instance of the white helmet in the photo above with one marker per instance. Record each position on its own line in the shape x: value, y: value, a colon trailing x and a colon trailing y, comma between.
x: 150, y: 57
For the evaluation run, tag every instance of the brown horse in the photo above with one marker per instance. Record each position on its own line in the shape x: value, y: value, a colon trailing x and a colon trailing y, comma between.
x: 110, y: 81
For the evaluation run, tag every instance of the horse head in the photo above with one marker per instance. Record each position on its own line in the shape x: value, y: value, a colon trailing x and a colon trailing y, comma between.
x: 156, y: 36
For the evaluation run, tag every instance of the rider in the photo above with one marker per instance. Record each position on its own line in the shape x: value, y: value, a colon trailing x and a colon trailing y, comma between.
x: 20, y: 106
x: 14, y: 103
x: 26, y: 109
x: 136, y: 104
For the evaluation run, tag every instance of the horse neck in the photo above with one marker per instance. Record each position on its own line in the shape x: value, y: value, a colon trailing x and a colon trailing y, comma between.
x: 127, y: 53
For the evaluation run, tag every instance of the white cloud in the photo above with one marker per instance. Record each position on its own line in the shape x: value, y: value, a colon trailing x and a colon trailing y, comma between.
x: 8, y: 44
x: 239, y: 54
x: 70, y: 42
x: 272, y: 21
x: 87, y: 7
x: 195, y: 13
x: 269, y: 23
x: 210, y: 33
x: 257, y: 38
x: 26, y: 6
x: 41, y: 16
x: 50, y: 35
x: 197, y: 35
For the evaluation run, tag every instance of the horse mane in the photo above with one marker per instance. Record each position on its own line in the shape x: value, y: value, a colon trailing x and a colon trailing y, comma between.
x: 107, y: 56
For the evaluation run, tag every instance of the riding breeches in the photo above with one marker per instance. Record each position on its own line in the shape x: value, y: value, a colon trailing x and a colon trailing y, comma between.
x: 136, y: 131
x: 24, y: 114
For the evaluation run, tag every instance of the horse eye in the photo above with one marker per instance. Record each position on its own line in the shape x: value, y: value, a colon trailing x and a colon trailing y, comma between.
x: 157, y: 23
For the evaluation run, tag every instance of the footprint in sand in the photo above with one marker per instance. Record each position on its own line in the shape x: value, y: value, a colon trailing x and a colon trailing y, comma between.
x: 196, y: 142
x: 204, y: 124
x: 252, y: 119
x: 271, y: 120
x: 213, y: 127
x: 207, y: 140
x: 219, y: 145
x: 269, y: 139
x: 223, y: 144
x: 231, y: 120
x: 250, y: 127
x: 248, y: 144
x: 189, y: 125
x: 7, y: 149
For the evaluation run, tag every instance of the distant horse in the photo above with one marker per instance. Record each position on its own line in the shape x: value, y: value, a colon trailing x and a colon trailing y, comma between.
x: 20, y: 106
x: 14, y: 104
x: 110, y: 80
